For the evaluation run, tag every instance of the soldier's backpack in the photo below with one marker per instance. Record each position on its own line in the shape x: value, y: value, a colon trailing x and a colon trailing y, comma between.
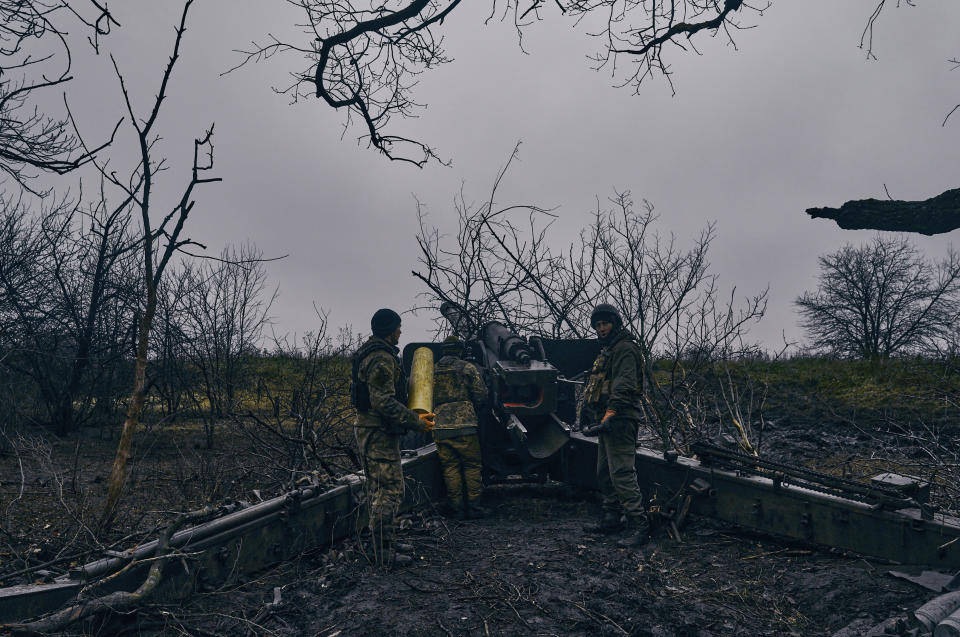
x: 359, y: 392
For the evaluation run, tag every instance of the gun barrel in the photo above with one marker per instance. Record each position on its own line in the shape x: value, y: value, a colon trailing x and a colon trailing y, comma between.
x: 497, y: 337
x: 457, y: 319
x: 505, y: 343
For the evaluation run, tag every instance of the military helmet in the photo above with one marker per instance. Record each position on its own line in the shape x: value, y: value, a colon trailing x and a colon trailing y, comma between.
x: 452, y: 347
x: 606, y: 312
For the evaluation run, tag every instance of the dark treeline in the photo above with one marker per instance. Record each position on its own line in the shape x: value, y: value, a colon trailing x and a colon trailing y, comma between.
x: 70, y: 299
x: 70, y: 302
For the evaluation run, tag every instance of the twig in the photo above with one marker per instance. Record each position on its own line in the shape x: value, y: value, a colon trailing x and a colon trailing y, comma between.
x: 788, y: 551
x: 442, y: 627
x: 943, y: 546
x: 421, y: 590
x: 23, y: 480
x: 37, y: 567
x: 593, y: 615
x: 515, y: 612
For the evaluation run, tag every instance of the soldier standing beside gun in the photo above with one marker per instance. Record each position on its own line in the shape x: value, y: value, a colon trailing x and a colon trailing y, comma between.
x: 378, y: 391
x: 458, y: 395
x: 611, y: 405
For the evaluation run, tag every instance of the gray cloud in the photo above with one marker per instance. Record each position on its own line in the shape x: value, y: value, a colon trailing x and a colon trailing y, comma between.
x: 795, y: 118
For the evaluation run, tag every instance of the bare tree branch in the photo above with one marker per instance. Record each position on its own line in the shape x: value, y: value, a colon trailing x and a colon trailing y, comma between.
x: 35, y: 55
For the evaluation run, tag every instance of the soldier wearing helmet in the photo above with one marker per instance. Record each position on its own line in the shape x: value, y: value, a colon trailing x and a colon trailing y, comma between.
x: 459, y: 394
x: 378, y: 392
x: 612, y: 409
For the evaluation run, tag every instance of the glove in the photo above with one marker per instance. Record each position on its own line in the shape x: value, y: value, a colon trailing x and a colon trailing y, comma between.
x: 600, y: 427
x: 428, y: 421
x: 594, y: 429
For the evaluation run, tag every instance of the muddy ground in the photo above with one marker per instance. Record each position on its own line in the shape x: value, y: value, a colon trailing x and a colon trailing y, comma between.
x: 529, y: 569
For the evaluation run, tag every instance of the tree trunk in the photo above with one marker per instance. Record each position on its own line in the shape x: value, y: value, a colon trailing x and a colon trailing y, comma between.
x: 118, y: 475
x: 63, y: 418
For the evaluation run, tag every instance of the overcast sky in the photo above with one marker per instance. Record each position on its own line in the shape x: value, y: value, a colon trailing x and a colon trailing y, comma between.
x: 796, y: 117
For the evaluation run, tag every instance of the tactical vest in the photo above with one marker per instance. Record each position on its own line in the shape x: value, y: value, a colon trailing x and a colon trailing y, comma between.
x: 597, y: 389
x: 453, y: 401
x: 449, y: 384
x: 359, y: 391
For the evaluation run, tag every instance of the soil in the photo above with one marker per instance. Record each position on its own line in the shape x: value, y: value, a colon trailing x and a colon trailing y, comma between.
x: 529, y: 569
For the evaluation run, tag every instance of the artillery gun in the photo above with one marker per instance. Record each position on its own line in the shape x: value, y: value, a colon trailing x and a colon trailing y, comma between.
x: 532, y: 405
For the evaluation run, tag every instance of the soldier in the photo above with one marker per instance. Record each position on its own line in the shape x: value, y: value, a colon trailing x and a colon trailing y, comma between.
x: 458, y: 395
x: 612, y: 407
x: 378, y: 392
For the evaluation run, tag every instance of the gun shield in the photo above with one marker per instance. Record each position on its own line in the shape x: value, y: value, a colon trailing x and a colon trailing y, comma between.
x: 420, y: 396
x: 548, y: 437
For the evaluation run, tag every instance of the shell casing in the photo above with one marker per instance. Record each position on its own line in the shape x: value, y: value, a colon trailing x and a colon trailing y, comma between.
x: 420, y: 395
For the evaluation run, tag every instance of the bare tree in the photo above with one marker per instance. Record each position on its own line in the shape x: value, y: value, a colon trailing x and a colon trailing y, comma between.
x: 66, y: 301
x: 365, y: 57
x: 305, y: 429
x: 880, y: 299
x: 157, y: 243
x: 673, y: 304
x: 223, y: 313
x: 501, y: 265
x: 19, y: 250
x: 95, y: 282
x: 171, y: 375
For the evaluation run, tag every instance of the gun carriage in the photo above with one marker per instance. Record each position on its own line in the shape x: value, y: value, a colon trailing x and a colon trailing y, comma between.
x: 532, y: 404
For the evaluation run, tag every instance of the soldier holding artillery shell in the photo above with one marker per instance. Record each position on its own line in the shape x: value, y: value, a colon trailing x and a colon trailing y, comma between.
x: 378, y: 391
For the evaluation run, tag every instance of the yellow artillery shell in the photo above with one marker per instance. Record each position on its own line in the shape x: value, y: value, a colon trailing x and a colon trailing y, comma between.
x: 420, y: 396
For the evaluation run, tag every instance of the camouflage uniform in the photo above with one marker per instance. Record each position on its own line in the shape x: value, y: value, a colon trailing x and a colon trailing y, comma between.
x: 458, y: 392
x: 378, y: 430
x: 616, y: 383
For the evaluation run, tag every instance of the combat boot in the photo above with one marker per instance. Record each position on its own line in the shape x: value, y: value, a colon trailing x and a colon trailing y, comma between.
x: 386, y: 553
x: 390, y: 559
x: 476, y: 511
x: 400, y: 559
x: 398, y: 546
x: 403, y: 548
x: 455, y: 511
x: 637, y: 536
x: 611, y: 522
